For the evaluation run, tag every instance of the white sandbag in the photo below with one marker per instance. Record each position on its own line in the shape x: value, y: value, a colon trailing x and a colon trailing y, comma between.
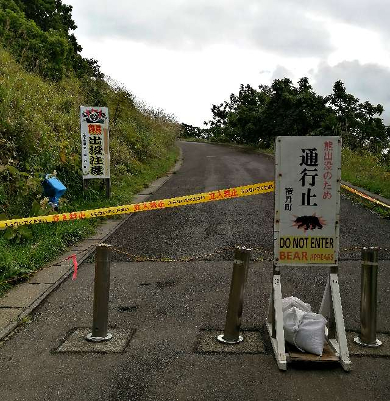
x: 290, y: 302
x: 291, y: 321
x: 311, y: 333
x: 305, y: 330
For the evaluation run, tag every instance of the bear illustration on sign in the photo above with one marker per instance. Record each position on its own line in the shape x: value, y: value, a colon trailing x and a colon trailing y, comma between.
x: 94, y: 116
x: 309, y: 222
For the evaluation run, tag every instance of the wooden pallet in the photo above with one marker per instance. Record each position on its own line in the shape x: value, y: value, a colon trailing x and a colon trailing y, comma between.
x: 295, y: 355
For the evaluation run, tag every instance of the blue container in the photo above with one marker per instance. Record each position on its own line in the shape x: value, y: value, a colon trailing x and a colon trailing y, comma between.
x: 53, y: 189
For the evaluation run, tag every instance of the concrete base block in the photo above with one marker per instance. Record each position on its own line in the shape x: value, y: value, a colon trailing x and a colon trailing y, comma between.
x: 75, y: 341
x: 207, y: 343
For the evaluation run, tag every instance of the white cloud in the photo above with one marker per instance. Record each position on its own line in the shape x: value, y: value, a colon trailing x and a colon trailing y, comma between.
x: 371, y: 14
x: 281, y: 72
x: 183, y: 56
x: 185, y: 84
x: 279, y: 27
x: 365, y: 81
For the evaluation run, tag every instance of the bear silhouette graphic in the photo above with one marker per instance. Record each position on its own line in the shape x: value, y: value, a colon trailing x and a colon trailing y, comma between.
x: 308, y: 222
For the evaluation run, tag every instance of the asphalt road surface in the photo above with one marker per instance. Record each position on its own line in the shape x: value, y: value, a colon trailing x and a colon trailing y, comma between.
x: 172, y: 311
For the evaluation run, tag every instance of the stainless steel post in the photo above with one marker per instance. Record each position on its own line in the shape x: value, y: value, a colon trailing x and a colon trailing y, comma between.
x: 368, y: 301
x: 101, y: 295
x: 231, y: 333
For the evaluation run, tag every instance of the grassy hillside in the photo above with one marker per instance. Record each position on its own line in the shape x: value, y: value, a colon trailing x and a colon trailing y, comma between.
x: 43, y: 82
x: 369, y: 171
x: 40, y: 134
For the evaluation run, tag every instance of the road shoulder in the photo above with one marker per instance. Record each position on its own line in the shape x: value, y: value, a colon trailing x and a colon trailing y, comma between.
x: 18, y: 303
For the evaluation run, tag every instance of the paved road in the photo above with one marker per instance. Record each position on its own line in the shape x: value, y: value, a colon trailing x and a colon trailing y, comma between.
x: 205, y: 228
x: 177, y: 308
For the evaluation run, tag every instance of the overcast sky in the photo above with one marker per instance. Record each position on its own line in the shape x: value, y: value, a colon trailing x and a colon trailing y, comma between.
x: 185, y: 55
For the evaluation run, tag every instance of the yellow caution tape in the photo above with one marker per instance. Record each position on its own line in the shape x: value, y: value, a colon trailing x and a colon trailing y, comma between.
x: 370, y: 198
x: 222, y: 194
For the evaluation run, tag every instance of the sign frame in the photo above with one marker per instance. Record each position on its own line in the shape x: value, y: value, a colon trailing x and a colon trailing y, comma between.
x: 95, y: 140
x: 307, y: 234
x: 331, y: 300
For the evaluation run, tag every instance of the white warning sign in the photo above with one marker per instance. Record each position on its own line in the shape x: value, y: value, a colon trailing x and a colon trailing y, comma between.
x: 95, y: 142
x: 307, y: 200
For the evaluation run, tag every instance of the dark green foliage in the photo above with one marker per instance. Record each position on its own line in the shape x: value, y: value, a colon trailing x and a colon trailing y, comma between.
x: 189, y: 131
x: 39, y: 34
x: 48, y: 14
x: 258, y: 116
x: 358, y: 123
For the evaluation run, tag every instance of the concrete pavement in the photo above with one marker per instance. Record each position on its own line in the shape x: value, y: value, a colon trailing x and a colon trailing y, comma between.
x: 166, y: 316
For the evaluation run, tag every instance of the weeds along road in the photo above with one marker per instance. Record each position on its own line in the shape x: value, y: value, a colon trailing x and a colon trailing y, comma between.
x: 178, y: 308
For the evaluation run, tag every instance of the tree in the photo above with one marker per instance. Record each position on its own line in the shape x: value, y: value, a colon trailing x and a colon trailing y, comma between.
x: 49, y: 14
x: 258, y: 116
x: 359, y: 124
x: 279, y: 116
x: 39, y: 34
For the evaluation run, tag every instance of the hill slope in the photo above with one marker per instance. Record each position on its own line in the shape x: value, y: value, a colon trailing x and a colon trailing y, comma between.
x: 43, y: 82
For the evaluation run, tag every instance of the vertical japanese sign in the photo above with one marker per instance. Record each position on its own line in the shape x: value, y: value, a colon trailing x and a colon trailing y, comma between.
x: 307, y: 200
x: 95, y: 142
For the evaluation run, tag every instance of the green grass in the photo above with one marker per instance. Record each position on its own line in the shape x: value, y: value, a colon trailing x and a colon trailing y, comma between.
x: 367, y: 171
x: 382, y: 211
x: 48, y: 241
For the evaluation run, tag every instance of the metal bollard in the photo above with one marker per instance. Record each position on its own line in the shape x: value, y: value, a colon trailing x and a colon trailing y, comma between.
x: 368, y: 299
x: 231, y: 333
x: 101, y: 295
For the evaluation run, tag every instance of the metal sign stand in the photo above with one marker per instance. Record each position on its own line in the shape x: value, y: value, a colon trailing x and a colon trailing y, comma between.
x: 335, y: 332
x: 275, y: 321
x: 306, y: 233
x: 331, y: 309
